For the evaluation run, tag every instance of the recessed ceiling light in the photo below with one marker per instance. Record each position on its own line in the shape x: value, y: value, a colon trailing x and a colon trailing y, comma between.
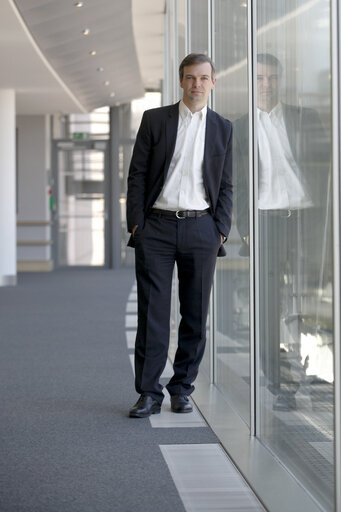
x: 106, y: 82
x: 86, y: 31
x: 100, y: 69
x: 112, y: 94
x: 79, y: 4
x: 93, y: 52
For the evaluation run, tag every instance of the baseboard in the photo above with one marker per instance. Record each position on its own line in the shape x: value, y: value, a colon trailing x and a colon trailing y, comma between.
x: 35, y: 266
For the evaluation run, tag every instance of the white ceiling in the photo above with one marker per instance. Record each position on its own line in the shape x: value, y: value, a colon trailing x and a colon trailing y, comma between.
x: 45, y: 57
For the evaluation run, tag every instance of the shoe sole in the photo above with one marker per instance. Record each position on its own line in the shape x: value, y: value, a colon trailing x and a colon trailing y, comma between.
x: 180, y: 411
x: 157, y: 410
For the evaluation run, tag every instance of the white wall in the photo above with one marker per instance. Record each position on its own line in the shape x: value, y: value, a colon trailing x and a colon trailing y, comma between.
x: 7, y: 188
x: 33, y: 198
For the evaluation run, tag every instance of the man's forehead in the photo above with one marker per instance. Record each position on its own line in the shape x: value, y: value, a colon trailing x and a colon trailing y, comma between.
x: 267, y: 69
x: 202, y: 68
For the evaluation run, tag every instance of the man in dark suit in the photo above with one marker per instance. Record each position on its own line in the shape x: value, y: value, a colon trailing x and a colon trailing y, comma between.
x: 293, y: 165
x: 179, y: 207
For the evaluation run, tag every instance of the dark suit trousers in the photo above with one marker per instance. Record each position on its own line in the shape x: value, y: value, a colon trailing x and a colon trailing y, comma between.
x: 278, y: 259
x: 192, y: 244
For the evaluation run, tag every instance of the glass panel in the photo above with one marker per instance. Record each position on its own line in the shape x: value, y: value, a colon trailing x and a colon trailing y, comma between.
x: 172, y: 77
x: 232, y: 275
x: 81, y: 207
x: 92, y: 125
x: 182, y: 46
x: 295, y: 239
x: 199, y: 44
x: 182, y: 20
x: 199, y: 26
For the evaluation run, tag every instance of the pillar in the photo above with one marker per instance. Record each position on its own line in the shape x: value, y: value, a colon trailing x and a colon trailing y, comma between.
x: 8, y: 238
x: 115, y: 188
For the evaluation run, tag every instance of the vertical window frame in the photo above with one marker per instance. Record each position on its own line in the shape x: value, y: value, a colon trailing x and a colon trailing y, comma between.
x: 335, y: 23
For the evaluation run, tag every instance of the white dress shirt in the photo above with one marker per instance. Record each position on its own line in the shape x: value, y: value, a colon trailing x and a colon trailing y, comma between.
x: 279, y: 185
x: 184, y: 187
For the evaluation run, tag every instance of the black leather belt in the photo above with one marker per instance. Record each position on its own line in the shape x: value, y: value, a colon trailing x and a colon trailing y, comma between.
x: 180, y: 214
x: 286, y: 213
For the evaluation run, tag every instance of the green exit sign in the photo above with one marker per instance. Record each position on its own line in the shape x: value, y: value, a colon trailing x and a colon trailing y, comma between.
x: 81, y: 136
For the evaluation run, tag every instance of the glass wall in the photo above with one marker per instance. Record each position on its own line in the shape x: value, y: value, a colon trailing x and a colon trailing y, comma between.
x: 293, y: 211
x: 270, y: 349
x: 94, y: 125
x: 198, y: 26
x: 232, y: 290
x: 182, y: 29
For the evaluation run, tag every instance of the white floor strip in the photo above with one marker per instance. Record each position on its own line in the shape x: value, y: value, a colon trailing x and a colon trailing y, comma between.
x: 130, y: 337
x: 131, y: 321
x: 132, y: 297
x: 131, y: 307
x: 206, y: 479
x: 169, y: 419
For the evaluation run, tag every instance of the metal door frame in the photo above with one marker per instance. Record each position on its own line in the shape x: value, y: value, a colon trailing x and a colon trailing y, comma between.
x: 78, y: 145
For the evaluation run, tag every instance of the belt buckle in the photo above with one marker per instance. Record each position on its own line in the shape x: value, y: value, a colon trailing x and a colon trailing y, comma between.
x: 178, y: 216
x: 286, y: 213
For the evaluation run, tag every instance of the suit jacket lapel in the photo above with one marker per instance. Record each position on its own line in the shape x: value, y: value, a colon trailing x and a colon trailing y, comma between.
x: 209, y: 138
x: 209, y: 148
x: 171, y: 133
x: 290, y: 121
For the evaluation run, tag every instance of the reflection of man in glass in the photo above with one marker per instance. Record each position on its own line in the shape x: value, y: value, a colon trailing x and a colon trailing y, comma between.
x: 291, y: 190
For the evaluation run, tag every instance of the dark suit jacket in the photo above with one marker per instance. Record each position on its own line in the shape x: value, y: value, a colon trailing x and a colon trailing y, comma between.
x: 152, y: 154
x: 310, y: 149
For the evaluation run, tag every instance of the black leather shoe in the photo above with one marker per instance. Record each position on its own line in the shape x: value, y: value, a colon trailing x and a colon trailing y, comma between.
x: 285, y: 402
x: 144, y: 407
x: 181, y: 403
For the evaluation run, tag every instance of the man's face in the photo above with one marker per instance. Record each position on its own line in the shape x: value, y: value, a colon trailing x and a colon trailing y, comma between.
x: 268, y: 81
x: 197, y: 83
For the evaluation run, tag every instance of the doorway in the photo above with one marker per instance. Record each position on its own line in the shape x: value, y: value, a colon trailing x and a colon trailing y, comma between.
x: 80, y: 203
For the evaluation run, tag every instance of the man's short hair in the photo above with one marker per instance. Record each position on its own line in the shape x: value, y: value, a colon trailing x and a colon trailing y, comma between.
x: 270, y: 60
x: 195, y: 58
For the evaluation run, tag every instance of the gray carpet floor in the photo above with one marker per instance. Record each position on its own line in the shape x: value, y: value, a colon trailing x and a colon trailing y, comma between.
x: 66, y: 385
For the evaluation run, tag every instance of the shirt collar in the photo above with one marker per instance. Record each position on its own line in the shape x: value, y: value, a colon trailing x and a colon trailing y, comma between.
x: 185, y: 111
x: 277, y: 111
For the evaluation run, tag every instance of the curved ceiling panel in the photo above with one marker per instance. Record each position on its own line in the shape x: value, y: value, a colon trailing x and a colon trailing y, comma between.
x: 38, y: 88
x: 110, y: 76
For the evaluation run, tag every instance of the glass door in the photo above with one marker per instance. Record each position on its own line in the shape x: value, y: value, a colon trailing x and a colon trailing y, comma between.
x: 80, y: 203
